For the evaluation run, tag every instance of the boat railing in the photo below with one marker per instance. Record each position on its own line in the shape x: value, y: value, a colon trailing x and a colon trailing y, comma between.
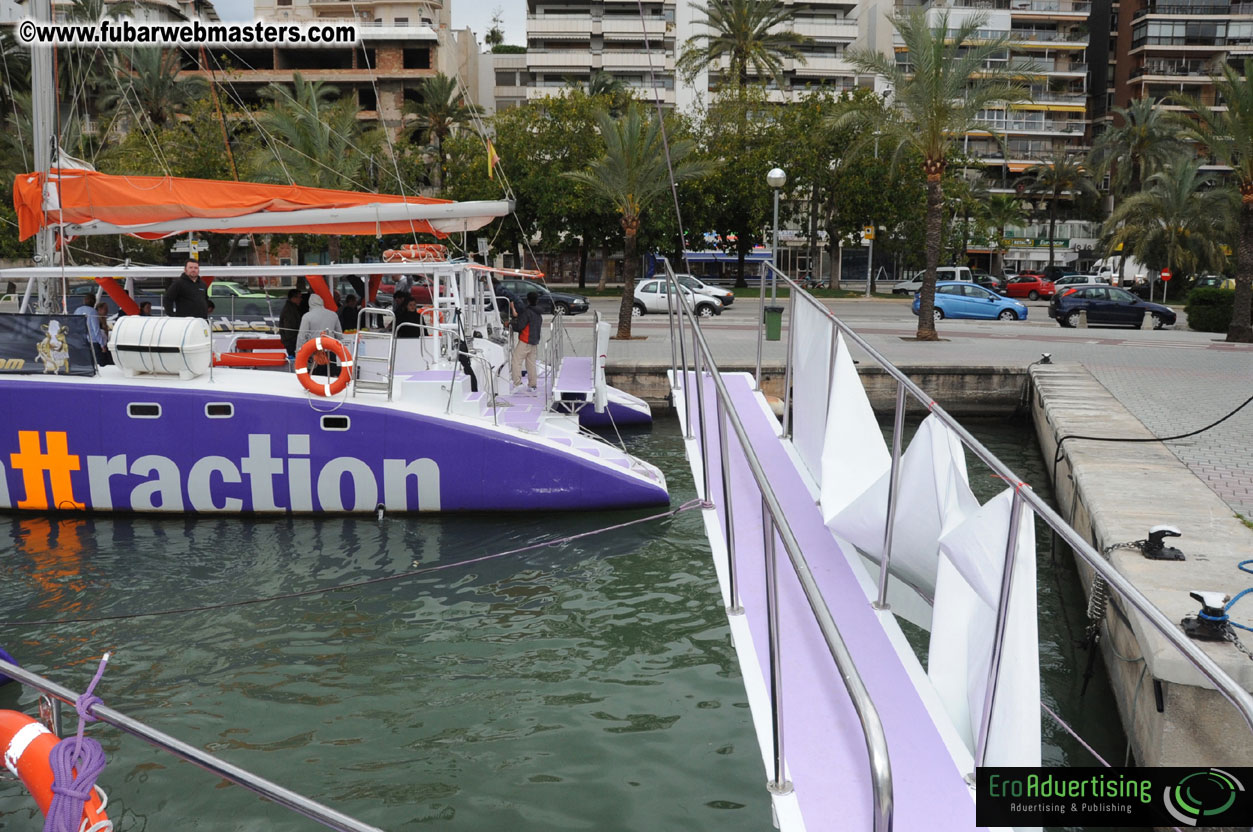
x: 774, y: 521
x: 453, y: 335
x: 220, y: 768
x: 1241, y: 699
x: 554, y: 351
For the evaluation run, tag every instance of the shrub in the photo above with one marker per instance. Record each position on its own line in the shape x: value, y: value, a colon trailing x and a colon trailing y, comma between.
x: 1209, y: 310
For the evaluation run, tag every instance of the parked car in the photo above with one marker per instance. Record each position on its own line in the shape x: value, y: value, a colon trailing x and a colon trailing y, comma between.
x: 1107, y: 306
x: 650, y: 296
x: 1213, y: 281
x: 726, y: 296
x: 1078, y: 280
x: 960, y: 273
x: 959, y: 299
x: 991, y: 282
x: 549, y: 301
x: 1029, y: 286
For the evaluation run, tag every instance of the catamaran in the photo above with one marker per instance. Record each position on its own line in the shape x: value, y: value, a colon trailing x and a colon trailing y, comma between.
x: 421, y: 423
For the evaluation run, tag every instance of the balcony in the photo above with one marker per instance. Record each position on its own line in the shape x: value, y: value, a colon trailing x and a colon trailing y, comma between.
x: 540, y: 25
x: 1073, y: 127
x: 1164, y: 67
x: 841, y: 30
x: 1193, y: 11
x: 573, y: 59
x: 630, y: 26
x: 617, y: 60
x: 1047, y: 36
x: 1075, y: 7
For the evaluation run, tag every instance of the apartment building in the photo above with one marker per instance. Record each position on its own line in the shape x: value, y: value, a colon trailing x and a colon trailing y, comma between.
x: 570, y: 40
x: 1161, y: 49
x: 1047, y: 49
x: 402, y: 43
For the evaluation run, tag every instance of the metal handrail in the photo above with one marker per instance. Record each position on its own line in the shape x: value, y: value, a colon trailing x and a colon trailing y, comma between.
x: 455, y: 351
x: 387, y: 319
x: 867, y: 714
x: 1241, y: 699
x: 259, y: 785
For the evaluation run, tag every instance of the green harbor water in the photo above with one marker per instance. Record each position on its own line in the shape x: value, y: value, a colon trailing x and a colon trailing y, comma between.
x: 589, y: 685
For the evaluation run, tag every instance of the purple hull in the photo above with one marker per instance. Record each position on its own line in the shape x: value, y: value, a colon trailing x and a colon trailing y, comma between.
x: 77, y: 445
x: 616, y: 413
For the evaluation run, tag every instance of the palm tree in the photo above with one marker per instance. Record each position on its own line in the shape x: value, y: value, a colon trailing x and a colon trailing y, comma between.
x: 149, y: 80
x: 1146, y: 138
x: 1180, y: 220
x: 938, y: 97
x: 1228, y: 134
x: 740, y: 32
x: 631, y: 176
x: 442, y: 110
x: 1062, y: 177
x: 1001, y: 211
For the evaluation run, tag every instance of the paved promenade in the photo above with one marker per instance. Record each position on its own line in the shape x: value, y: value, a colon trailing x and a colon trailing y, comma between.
x: 1173, y: 380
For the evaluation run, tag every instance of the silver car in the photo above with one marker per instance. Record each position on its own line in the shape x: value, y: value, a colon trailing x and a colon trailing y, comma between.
x: 650, y: 296
x: 726, y: 296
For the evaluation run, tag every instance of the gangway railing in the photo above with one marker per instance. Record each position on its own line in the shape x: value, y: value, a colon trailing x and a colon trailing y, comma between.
x: 773, y: 519
x: 259, y: 785
x: 1240, y: 698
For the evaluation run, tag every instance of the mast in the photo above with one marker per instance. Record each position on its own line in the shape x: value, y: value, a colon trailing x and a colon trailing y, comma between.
x: 43, y: 118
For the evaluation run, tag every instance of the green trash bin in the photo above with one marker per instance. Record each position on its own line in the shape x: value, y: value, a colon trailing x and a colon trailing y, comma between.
x: 774, y: 323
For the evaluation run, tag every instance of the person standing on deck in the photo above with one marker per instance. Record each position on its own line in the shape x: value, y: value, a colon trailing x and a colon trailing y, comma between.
x: 186, y: 297
x: 97, y: 338
x: 319, y: 321
x: 528, y: 323
x: 289, y: 322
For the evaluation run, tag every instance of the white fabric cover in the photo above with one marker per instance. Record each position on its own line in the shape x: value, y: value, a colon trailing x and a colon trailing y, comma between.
x: 968, y: 590
x: 934, y: 496
x: 854, y: 455
x: 811, y: 379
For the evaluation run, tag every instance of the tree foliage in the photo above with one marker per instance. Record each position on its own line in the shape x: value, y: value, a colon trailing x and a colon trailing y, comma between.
x: 754, y: 34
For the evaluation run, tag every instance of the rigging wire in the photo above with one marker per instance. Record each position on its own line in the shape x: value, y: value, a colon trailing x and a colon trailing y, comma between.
x: 665, y: 139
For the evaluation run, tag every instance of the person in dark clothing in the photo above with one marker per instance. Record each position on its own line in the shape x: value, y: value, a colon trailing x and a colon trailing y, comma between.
x: 145, y: 308
x: 528, y: 324
x: 348, y: 313
x: 408, y: 314
x: 186, y: 297
x: 506, y: 302
x: 289, y: 322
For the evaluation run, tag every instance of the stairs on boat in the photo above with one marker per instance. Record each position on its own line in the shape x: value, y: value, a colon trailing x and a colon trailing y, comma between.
x: 373, y: 354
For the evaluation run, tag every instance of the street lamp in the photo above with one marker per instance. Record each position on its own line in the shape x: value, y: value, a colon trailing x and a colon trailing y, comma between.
x: 776, y: 179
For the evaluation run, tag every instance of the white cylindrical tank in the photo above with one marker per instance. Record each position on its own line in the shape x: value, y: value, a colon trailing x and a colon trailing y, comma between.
x: 170, y: 346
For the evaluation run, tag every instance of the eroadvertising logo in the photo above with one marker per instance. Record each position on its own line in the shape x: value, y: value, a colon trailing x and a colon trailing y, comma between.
x: 1096, y: 797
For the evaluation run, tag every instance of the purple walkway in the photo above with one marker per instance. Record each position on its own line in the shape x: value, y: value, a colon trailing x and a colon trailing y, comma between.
x: 823, y: 740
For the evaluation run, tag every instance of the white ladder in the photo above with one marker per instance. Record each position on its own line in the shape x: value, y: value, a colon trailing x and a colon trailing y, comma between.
x: 383, y: 333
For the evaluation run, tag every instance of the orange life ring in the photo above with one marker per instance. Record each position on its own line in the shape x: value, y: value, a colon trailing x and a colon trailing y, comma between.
x: 27, y: 745
x: 323, y: 342
x: 435, y: 315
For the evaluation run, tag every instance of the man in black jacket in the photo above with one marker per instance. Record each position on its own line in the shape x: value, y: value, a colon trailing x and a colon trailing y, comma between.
x: 289, y: 322
x: 528, y: 324
x: 186, y: 297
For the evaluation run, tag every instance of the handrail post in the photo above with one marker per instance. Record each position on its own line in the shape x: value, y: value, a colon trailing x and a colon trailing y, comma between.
x: 674, y: 361
x: 780, y: 784
x: 894, y: 484
x: 687, y: 390
x: 1002, y: 616
x: 698, y: 366
x: 733, y: 579
x: 761, y: 326
x: 787, y: 366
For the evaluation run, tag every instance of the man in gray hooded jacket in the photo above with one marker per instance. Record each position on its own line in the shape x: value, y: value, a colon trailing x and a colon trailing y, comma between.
x: 318, y: 321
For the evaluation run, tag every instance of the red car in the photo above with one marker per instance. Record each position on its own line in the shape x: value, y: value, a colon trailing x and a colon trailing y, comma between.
x: 1030, y: 286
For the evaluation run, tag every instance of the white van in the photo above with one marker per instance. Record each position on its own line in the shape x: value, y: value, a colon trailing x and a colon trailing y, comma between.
x: 908, y: 287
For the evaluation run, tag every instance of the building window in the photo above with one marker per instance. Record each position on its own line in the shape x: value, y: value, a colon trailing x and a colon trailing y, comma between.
x: 401, y: 21
x: 417, y: 59
x: 284, y: 2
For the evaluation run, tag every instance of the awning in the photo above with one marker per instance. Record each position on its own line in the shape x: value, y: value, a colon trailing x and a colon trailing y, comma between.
x: 85, y: 202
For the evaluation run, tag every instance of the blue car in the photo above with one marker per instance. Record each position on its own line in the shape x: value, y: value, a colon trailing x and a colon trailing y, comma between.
x: 1107, y: 305
x: 959, y: 299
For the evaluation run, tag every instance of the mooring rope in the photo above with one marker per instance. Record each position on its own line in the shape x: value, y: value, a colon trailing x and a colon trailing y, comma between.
x: 76, y: 762
x: 689, y: 505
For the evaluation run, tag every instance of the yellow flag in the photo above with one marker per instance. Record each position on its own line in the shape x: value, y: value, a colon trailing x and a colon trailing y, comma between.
x: 492, y: 160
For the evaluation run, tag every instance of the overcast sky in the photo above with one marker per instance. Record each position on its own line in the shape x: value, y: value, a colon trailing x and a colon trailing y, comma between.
x: 477, y: 14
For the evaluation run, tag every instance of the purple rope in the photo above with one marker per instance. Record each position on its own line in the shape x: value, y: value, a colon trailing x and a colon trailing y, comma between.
x: 76, y: 763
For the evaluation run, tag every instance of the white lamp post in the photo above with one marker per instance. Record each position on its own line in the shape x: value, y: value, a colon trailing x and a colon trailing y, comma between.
x: 776, y: 179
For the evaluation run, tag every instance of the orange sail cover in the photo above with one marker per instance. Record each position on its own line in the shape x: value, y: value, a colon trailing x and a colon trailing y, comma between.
x: 153, y: 207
